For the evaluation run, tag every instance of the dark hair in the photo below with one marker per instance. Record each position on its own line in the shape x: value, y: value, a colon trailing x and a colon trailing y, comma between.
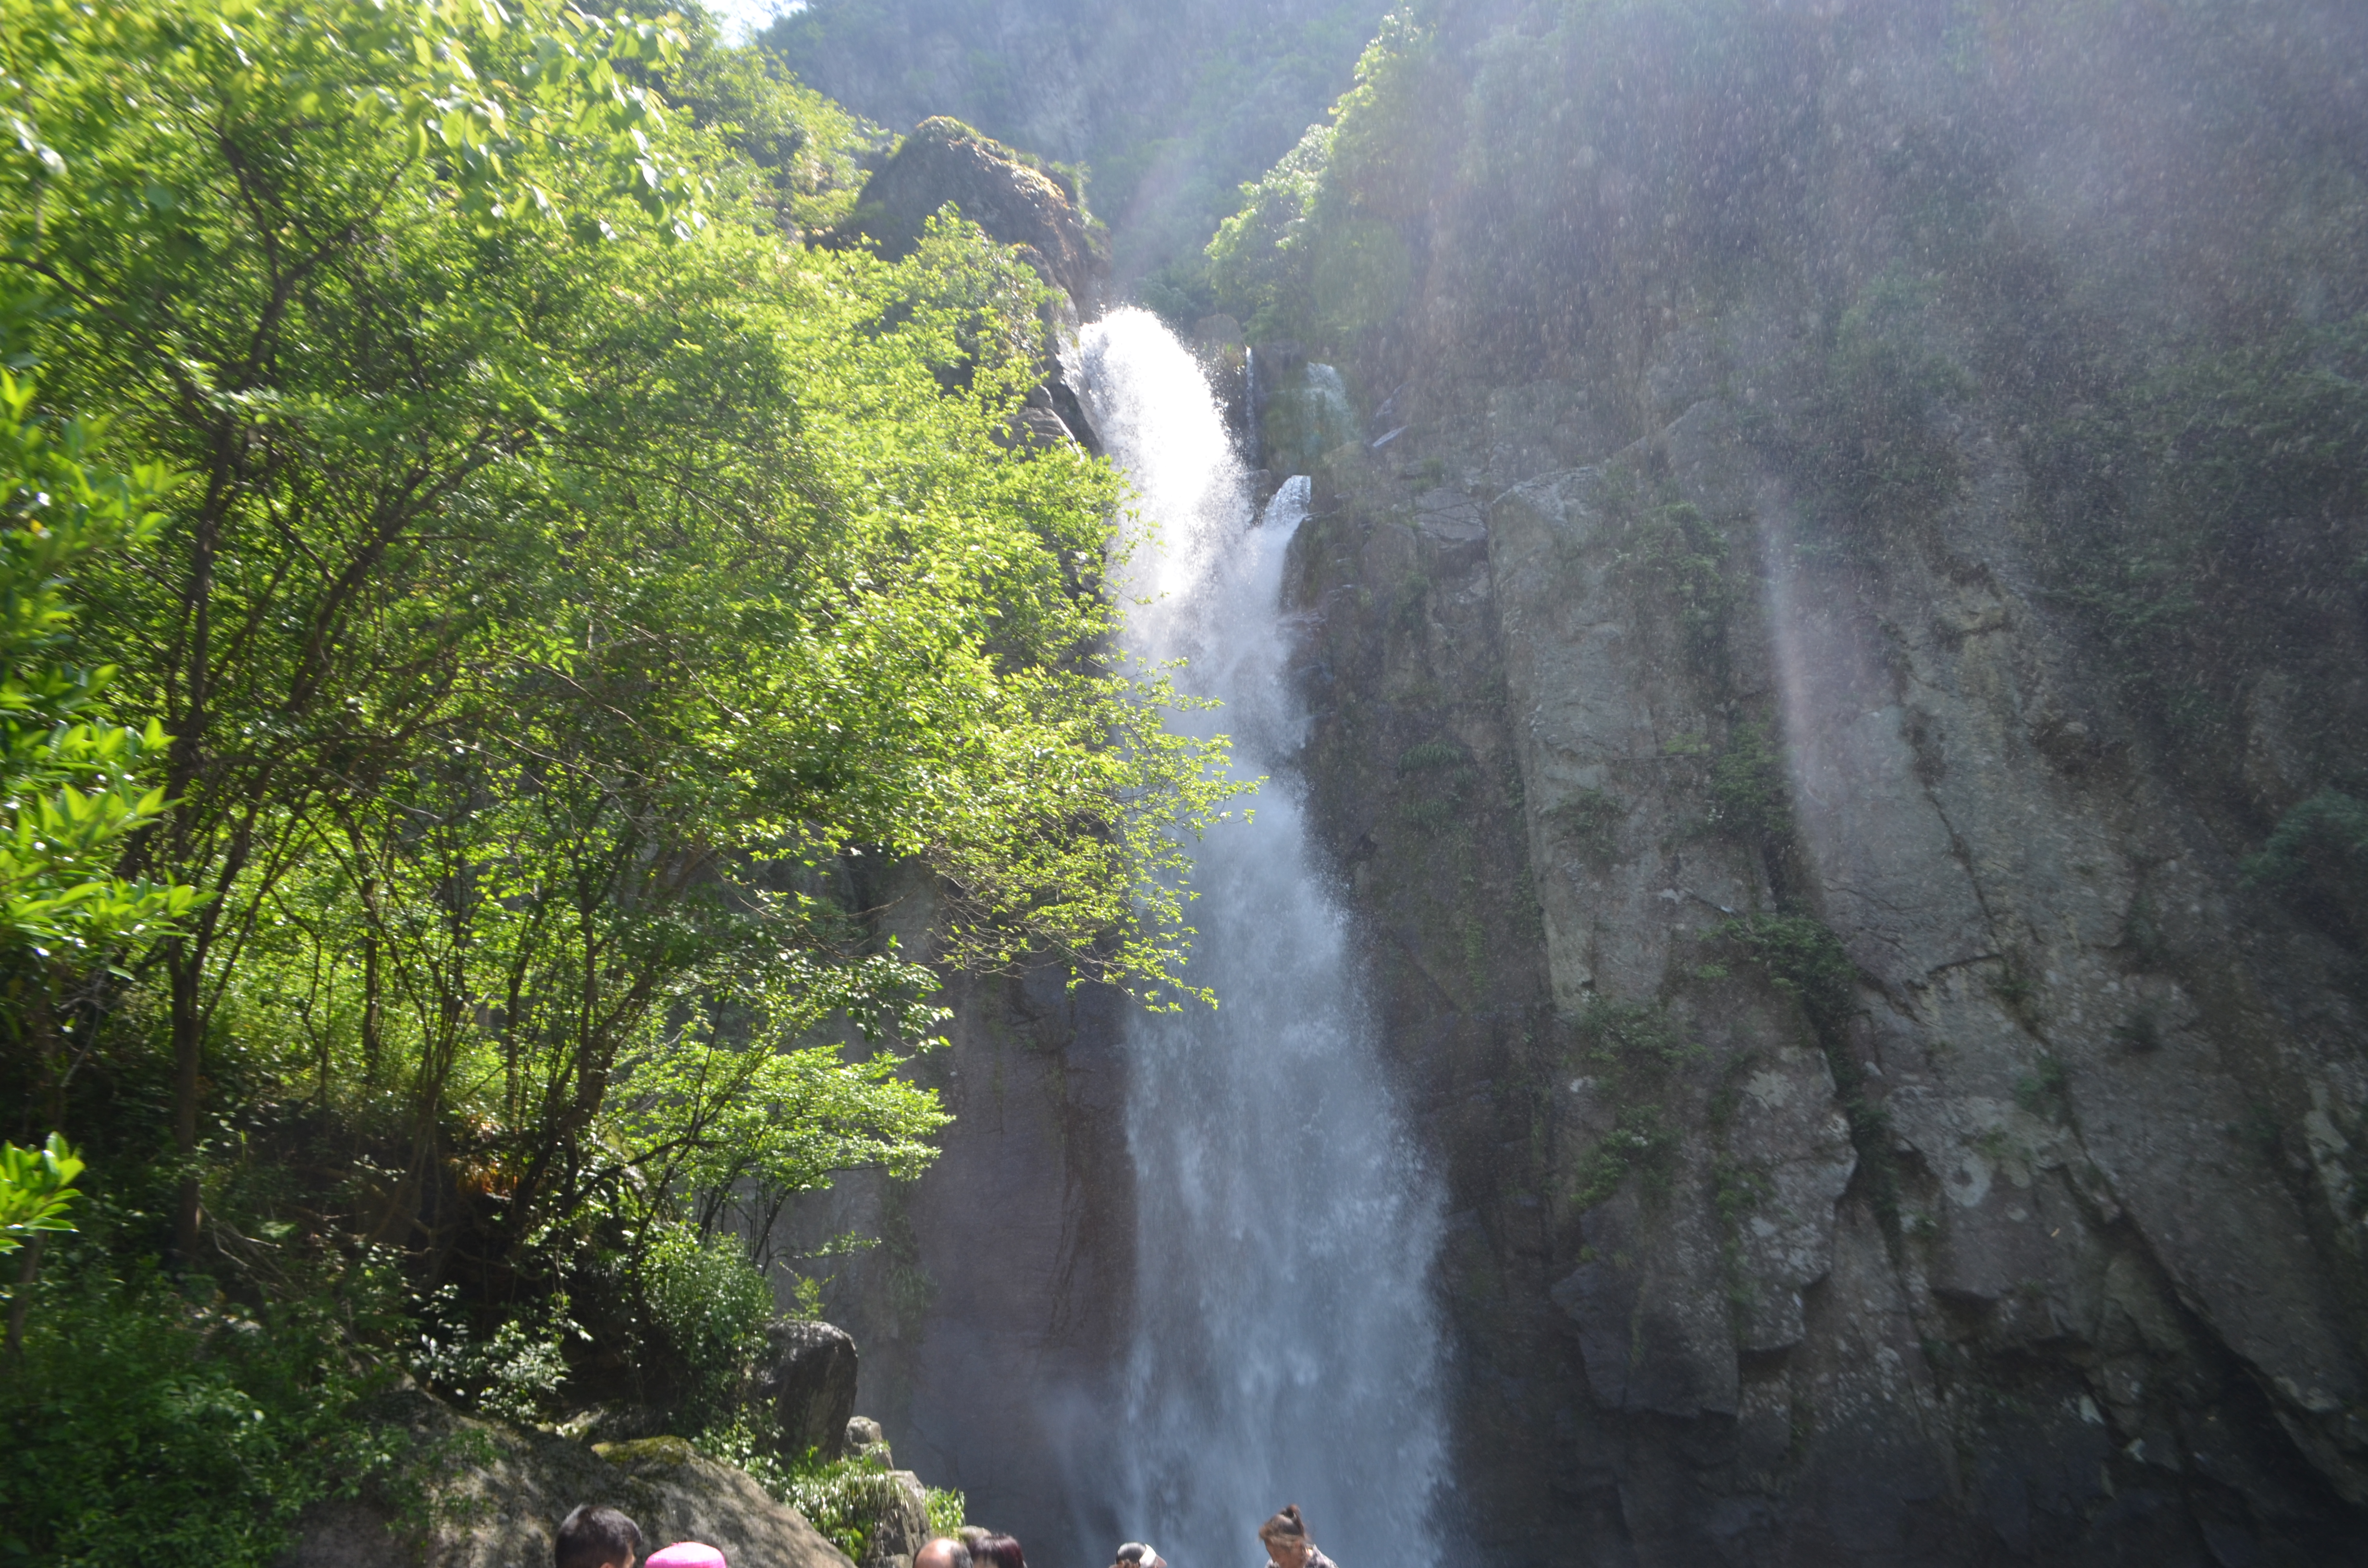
x: 957, y: 1552
x: 1285, y: 1525
x: 595, y: 1537
x: 996, y: 1551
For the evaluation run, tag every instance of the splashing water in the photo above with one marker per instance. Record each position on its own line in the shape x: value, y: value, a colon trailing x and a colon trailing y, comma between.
x: 1285, y: 1347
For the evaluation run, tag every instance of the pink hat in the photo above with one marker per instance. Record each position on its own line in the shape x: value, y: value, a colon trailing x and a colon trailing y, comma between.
x: 686, y: 1554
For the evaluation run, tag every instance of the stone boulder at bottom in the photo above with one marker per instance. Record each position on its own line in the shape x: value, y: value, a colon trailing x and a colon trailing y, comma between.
x: 900, y: 1525
x: 497, y: 1503
x: 810, y: 1383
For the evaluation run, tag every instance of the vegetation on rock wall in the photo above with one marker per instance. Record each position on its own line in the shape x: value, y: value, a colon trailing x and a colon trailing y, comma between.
x: 480, y: 599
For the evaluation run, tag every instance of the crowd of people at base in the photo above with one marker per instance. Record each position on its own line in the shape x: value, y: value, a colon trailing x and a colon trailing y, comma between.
x: 595, y: 1537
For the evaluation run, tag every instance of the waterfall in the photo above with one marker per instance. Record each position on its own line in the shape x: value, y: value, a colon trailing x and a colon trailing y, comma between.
x: 1285, y: 1347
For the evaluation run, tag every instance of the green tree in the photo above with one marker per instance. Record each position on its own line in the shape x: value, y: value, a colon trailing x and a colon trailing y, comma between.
x: 569, y: 600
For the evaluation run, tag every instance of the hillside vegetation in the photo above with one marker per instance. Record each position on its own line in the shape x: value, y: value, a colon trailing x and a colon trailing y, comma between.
x: 488, y: 605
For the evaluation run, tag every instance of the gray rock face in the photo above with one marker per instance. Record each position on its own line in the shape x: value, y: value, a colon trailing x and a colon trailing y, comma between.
x: 1950, y: 1248
x: 1886, y: 1125
x: 809, y: 1381
x: 497, y: 1503
x: 992, y: 1312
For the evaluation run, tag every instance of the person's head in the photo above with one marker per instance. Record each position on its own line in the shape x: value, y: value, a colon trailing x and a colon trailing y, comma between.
x: 974, y: 1538
x: 595, y: 1537
x: 1138, y: 1554
x: 996, y: 1552
x: 1285, y: 1536
x: 944, y: 1551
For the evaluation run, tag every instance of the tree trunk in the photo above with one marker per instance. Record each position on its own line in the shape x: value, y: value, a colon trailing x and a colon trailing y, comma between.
x: 189, y: 1030
x: 28, y: 1270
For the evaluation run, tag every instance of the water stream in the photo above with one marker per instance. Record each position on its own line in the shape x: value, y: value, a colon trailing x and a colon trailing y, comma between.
x: 1285, y: 1347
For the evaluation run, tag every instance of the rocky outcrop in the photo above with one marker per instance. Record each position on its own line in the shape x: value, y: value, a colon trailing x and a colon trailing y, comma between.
x: 1172, y: 106
x: 1018, y: 204
x: 995, y: 1306
x: 809, y: 1384
x: 493, y: 1495
x: 944, y: 162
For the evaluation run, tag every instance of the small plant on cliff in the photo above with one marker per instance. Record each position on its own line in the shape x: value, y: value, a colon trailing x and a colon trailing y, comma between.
x: 1641, y: 1140
x: 2318, y: 856
x: 1430, y: 756
x: 1870, y: 437
x: 1674, y: 549
x: 1442, y: 773
x: 1634, y: 1035
x: 1749, y: 800
x: 1802, y: 957
x: 1589, y: 818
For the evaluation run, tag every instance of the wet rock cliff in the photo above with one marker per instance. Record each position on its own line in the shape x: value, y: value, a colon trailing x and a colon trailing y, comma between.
x: 1827, y: 636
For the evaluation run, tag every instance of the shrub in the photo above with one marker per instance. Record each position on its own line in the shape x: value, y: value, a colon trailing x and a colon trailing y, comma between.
x: 1748, y: 801
x: 2319, y: 855
x: 842, y: 1498
x: 710, y: 1305
x: 1876, y: 445
x: 1800, y: 955
x: 514, y: 1376
x: 144, y: 1427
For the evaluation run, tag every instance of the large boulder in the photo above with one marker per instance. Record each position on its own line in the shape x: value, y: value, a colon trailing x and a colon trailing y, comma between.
x: 498, y: 1494
x: 944, y: 160
x: 809, y: 1382
x: 1016, y: 203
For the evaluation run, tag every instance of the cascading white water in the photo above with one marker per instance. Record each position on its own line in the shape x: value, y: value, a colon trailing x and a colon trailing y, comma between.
x: 1285, y: 1347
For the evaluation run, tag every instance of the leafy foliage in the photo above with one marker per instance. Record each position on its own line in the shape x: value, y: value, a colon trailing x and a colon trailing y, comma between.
x: 709, y: 1307
x: 1750, y: 798
x: 76, y: 786
x: 35, y: 1189
x: 843, y: 1497
x: 791, y: 148
x: 142, y: 1426
x: 1634, y: 1035
x: 1872, y: 436
x: 2201, y: 520
x: 572, y: 611
x: 1318, y: 248
x: 1803, y: 956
